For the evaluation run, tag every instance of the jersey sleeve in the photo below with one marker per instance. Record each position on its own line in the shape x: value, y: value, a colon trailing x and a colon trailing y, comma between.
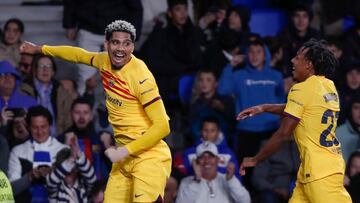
x: 146, y: 89
x: 296, y: 101
x: 75, y: 55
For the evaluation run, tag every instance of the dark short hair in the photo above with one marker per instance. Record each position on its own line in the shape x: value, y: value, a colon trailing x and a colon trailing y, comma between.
x: 210, y: 119
x: 120, y: 26
x: 36, y: 59
x: 81, y: 100
x: 352, y: 156
x: 173, y: 3
x: 17, y: 21
x: 303, y: 7
x: 38, y: 110
x: 323, y: 60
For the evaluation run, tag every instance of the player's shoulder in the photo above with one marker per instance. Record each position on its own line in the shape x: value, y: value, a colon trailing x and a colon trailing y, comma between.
x: 138, y: 68
x: 299, y: 87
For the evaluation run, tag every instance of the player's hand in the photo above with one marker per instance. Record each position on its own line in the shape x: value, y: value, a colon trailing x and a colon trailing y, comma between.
x: 249, y: 112
x: 247, y: 162
x: 116, y: 155
x: 230, y: 170
x: 30, y: 48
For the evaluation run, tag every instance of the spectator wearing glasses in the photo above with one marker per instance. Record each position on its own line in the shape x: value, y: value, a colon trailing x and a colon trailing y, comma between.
x: 49, y: 92
x: 24, y: 66
x: 11, y: 41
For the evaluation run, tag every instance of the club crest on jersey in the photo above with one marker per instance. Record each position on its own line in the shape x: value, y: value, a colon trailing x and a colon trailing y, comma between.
x: 111, y: 82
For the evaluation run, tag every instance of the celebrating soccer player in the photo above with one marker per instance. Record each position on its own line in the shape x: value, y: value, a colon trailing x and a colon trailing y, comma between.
x: 310, y: 113
x: 142, y: 162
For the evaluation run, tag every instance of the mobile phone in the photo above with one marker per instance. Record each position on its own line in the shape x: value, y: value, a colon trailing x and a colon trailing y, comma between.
x: 18, y: 112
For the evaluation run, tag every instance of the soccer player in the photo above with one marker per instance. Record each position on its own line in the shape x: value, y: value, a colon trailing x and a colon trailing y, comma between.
x: 142, y: 162
x: 310, y: 113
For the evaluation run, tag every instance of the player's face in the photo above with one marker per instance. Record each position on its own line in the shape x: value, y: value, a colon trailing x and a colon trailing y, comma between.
x: 119, y: 47
x: 355, y: 112
x: 44, y: 70
x: 301, y: 66
x: 256, y: 55
x: 81, y: 115
x: 12, y: 33
x: 301, y: 21
x: 207, y: 83
x: 210, y: 131
x: 354, y: 166
x: 39, y: 128
x: 179, y: 14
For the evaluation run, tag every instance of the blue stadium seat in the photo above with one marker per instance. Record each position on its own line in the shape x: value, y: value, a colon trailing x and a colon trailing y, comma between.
x: 185, y: 88
x: 348, y: 22
x: 267, y: 22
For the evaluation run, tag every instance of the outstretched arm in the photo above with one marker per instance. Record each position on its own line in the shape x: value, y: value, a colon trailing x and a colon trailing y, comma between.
x: 282, y: 135
x: 254, y: 110
x: 69, y: 53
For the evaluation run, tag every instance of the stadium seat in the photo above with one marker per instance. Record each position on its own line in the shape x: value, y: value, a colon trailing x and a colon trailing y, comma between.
x: 185, y: 88
x: 267, y: 22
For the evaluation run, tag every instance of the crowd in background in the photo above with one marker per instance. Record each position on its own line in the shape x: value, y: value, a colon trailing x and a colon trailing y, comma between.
x: 54, y: 132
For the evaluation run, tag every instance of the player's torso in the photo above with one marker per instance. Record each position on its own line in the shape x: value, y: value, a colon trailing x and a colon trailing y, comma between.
x: 126, y: 113
x: 315, y: 134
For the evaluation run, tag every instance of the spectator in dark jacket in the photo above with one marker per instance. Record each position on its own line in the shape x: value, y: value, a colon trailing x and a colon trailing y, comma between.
x: 86, y: 20
x: 297, y: 33
x: 173, y: 48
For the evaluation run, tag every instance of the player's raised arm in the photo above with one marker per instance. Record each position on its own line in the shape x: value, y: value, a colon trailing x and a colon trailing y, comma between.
x: 69, y: 53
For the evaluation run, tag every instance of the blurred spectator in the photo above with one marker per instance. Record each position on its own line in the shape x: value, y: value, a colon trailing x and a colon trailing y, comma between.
x: 11, y: 41
x: 17, y: 131
x: 202, y: 8
x: 10, y: 97
x: 349, y: 90
x: 97, y: 193
x: 255, y: 84
x: 297, y: 33
x: 352, y: 176
x: 336, y: 47
x: 30, y: 162
x: 352, y: 35
x: 210, y: 132
x: 173, y: 49
x: 49, y: 92
x: 274, y: 176
x: 70, y: 86
x: 226, y: 50
x: 211, y: 22
x: 73, y: 176
x: 206, y: 102
x: 208, y: 185
x: 90, y: 142
x: 237, y: 19
x: 86, y: 20
x: 24, y: 66
x: 349, y: 133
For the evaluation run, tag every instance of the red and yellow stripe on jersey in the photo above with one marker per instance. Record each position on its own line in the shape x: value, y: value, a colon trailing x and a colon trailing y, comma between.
x: 132, y: 97
x: 315, y: 103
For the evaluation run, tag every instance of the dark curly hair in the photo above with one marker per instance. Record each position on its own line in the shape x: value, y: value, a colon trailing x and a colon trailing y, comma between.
x: 321, y: 57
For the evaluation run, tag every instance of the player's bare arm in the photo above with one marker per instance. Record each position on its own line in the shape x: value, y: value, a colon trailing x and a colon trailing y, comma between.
x: 30, y: 48
x: 282, y: 135
x: 254, y: 110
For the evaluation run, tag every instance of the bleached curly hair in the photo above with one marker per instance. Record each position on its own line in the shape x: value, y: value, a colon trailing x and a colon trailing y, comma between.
x: 120, y: 26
